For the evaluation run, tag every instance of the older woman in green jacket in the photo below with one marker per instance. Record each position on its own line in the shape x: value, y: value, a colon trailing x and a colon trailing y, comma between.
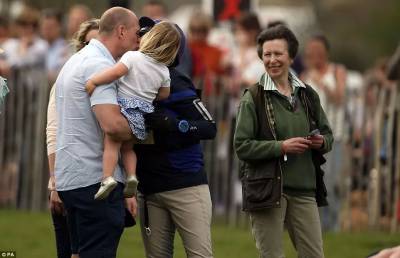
x: 281, y: 134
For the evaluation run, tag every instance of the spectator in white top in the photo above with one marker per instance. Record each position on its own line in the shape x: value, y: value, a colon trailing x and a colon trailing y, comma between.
x: 27, y: 50
x: 329, y: 81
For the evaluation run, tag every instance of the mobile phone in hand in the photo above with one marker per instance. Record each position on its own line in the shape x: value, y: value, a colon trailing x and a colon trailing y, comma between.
x: 313, y: 133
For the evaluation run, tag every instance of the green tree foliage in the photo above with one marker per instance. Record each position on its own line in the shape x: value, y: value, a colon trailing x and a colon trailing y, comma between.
x: 361, y: 31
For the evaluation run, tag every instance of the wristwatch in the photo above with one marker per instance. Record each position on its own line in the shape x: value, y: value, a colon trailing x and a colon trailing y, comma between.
x: 183, y: 126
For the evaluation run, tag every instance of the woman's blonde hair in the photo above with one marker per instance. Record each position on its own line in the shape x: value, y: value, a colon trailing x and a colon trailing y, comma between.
x: 79, y: 39
x: 161, y: 43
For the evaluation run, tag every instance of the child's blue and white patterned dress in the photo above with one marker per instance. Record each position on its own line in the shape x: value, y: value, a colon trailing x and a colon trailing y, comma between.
x: 134, y: 109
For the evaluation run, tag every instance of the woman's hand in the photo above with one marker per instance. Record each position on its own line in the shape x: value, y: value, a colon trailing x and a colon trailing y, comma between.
x: 295, y: 145
x: 90, y: 87
x: 316, y: 141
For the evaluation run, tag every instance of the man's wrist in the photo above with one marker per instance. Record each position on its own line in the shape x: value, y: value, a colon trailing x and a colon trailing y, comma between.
x: 51, y: 186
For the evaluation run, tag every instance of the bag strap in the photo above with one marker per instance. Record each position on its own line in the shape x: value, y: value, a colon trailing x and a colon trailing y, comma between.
x: 146, y: 216
x: 308, y: 98
x: 269, y: 109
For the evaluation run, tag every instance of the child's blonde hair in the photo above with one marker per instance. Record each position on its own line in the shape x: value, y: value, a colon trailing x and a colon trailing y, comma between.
x: 161, y: 43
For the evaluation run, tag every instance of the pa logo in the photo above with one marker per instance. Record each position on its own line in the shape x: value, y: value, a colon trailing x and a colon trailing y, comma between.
x: 8, y: 254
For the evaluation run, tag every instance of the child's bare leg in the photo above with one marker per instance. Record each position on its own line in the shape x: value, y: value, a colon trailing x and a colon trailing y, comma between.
x: 110, y: 156
x: 129, y: 159
x: 110, y: 160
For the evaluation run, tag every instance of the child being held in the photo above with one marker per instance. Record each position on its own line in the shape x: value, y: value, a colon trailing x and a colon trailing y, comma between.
x: 143, y: 77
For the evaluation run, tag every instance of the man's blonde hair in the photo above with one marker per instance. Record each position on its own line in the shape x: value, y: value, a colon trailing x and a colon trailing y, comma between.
x: 161, y: 43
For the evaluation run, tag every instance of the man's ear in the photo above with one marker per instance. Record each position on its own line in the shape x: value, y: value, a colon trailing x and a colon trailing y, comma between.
x: 120, y: 31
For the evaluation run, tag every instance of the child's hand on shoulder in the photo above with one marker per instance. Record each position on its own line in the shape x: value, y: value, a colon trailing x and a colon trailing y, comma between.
x: 90, y: 87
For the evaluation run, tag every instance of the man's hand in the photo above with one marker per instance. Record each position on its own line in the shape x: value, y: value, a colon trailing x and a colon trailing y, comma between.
x: 56, y: 205
x: 131, y: 205
x: 90, y: 87
x: 316, y: 141
x: 295, y: 145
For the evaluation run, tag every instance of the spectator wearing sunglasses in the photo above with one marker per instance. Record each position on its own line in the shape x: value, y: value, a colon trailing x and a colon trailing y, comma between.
x: 28, y: 49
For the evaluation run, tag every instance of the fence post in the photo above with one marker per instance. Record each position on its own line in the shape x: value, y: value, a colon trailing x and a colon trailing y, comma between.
x: 396, y: 199
x: 22, y: 134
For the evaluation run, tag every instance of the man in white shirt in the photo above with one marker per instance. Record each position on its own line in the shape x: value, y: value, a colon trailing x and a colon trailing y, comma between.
x: 81, y: 123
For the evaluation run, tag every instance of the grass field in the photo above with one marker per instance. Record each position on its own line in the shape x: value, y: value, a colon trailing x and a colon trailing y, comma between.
x: 31, y: 236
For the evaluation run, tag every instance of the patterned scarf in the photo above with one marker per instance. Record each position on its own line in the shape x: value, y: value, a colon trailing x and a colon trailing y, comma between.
x: 269, y: 85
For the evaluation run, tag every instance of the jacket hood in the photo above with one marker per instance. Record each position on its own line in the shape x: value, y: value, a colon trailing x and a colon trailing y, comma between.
x: 181, y: 49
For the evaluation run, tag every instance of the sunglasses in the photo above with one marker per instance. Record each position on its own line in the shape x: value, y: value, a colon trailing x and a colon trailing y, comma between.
x: 140, y: 33
x: 25, y: 23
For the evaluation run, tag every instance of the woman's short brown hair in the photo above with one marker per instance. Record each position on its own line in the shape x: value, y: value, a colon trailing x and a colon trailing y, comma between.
x: 278, y: 32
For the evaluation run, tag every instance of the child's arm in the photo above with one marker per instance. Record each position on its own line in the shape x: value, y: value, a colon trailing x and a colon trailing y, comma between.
x: 163, y: 93
x: 107, y: 76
